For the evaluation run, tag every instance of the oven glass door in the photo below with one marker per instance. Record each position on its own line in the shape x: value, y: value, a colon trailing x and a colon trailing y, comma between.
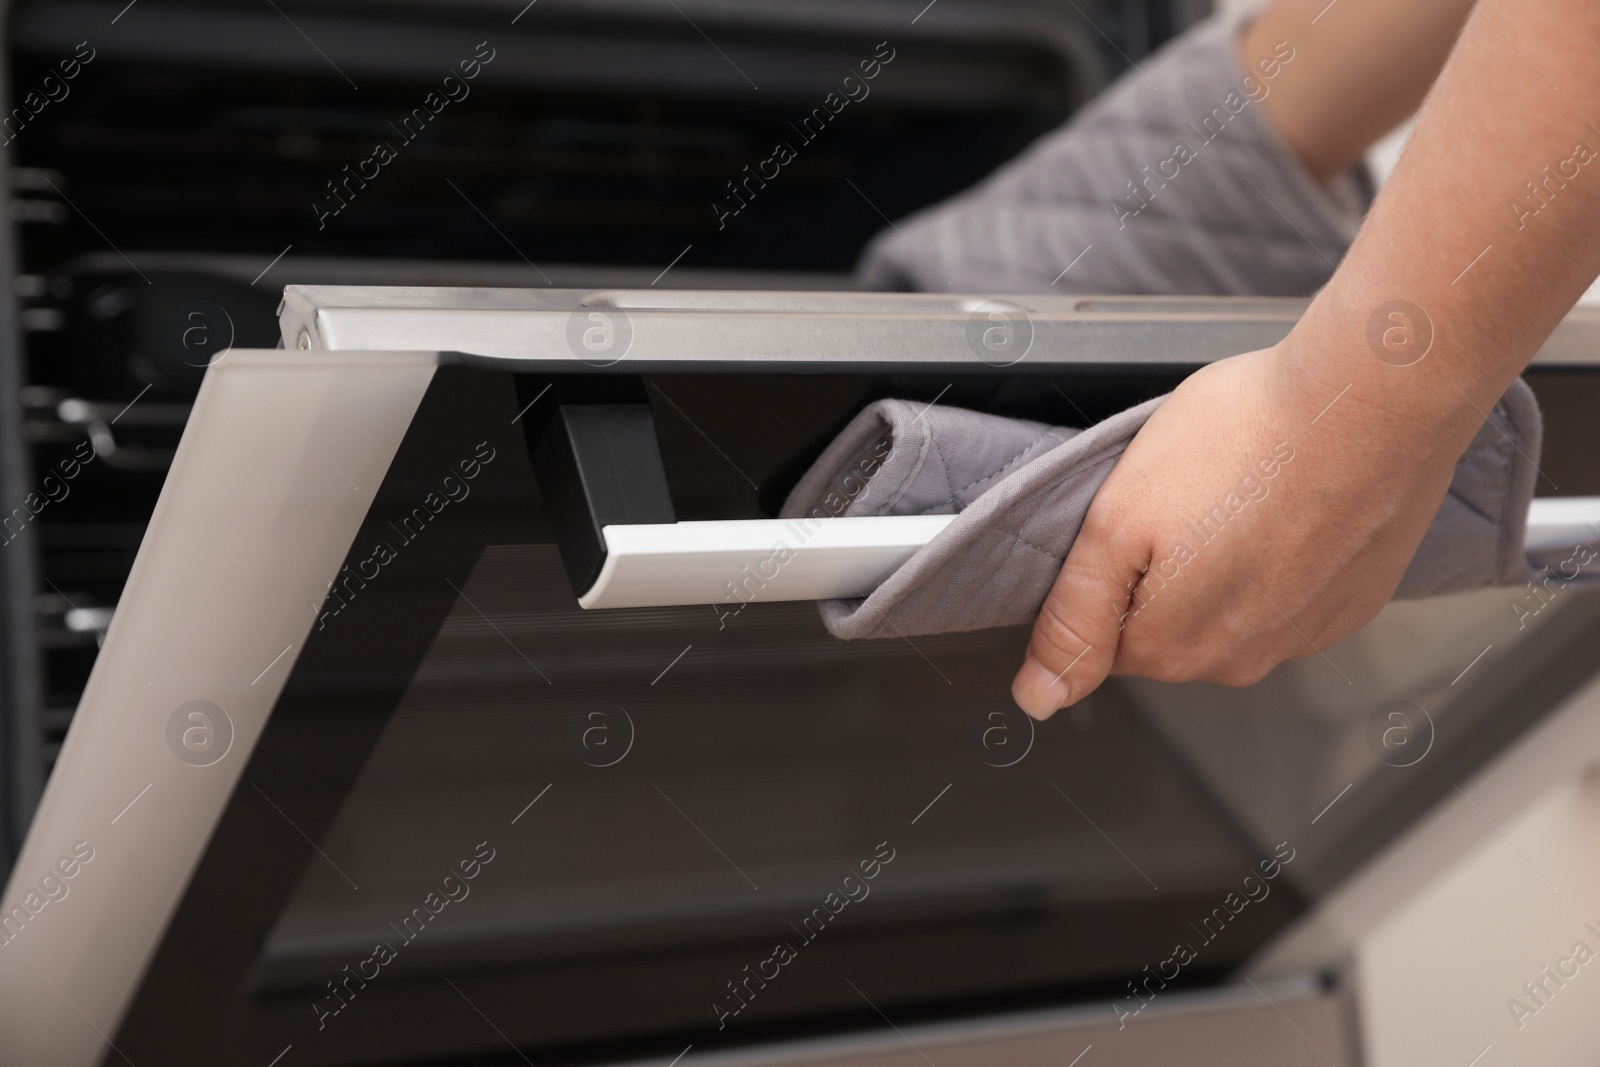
x: 496, y: 821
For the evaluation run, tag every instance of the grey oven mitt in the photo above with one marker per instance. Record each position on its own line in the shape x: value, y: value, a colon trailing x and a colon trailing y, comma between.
x: 1172, y: 181
x: 1020, y: 491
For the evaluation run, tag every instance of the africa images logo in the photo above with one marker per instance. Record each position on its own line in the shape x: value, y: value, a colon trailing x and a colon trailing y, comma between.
x: 1400, y: 333
x: 199, y: 733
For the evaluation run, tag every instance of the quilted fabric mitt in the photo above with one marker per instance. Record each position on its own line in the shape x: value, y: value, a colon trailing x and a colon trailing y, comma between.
x: 1020, y: 491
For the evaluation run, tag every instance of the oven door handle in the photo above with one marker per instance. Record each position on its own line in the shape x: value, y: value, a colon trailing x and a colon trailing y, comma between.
x: 740, y: 561
x: 1563, y: 521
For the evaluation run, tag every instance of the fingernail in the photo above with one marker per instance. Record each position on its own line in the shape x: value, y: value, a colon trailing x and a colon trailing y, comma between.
x: 1038, y: 690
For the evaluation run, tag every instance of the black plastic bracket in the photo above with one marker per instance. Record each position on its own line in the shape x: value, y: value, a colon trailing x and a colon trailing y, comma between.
x: 598, y: 464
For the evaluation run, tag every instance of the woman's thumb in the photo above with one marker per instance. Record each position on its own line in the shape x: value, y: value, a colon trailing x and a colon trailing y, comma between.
x: 1075, y: 636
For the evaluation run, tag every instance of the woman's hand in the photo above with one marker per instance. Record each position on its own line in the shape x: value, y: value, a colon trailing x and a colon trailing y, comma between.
x: 1255, y: 519
x: 1298, y: 554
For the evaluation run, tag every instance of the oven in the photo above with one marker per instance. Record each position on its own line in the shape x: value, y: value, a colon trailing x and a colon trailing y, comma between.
x: 357, y: 778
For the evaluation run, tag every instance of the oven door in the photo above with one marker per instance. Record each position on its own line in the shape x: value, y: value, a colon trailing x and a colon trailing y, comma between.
x: 358, y: 779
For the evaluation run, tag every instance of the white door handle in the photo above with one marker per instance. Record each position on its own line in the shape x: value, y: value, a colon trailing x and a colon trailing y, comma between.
x: 743, y: 560
x: 1563, y: 520
x: 746, y: 560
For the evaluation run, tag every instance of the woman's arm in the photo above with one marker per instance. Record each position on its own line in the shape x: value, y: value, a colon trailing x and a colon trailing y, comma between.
x: 1484, y: 237
x: 1361, y: 68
